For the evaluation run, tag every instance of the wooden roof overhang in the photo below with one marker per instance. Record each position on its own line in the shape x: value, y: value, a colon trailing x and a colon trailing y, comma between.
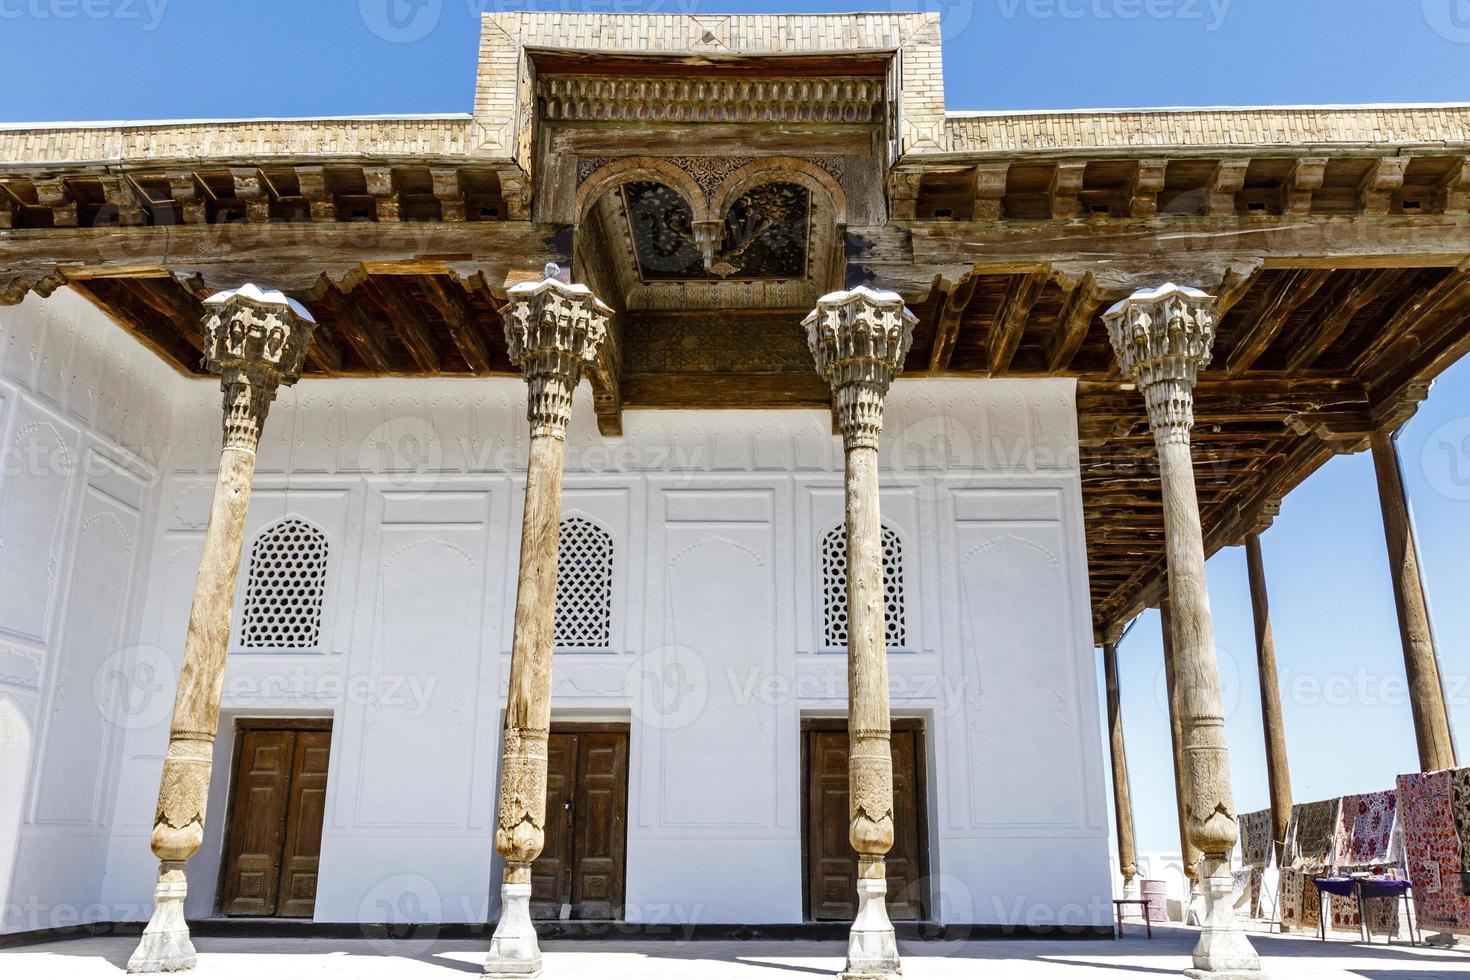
x: 1341, y: 269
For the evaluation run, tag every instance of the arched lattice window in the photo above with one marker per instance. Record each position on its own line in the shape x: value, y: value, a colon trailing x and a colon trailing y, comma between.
x: 283, y: 593
x: 834, y: 587
x: 584, y: 570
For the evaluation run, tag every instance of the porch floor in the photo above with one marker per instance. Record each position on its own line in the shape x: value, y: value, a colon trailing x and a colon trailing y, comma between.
x: 1285, y: 958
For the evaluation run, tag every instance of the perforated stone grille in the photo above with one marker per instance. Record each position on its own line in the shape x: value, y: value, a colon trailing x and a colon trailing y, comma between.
x: 834, y: 587
x: 283, y: 593
x: 584, y: 567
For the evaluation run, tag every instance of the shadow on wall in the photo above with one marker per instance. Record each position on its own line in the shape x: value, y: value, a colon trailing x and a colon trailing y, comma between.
x: 15, y: 758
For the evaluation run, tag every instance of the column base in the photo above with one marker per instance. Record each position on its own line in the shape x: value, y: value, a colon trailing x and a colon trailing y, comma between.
x: 1133, y: 889
x: 1195, y: 909
x: 872, y: 945
x: 165, y: 946
x: 514, y: 951
x: 1223, y: 951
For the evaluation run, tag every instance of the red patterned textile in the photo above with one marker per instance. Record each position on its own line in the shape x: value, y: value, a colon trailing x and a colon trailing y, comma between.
x: 1289, y: 897
x: 1365, y: 829
x: 1433, y: 851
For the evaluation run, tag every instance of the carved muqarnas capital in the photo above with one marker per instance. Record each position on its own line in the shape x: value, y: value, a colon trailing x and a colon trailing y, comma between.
x: 255, y: 340
x: 859, y: 339
x: 552, y: 329
x: 1162, y: 337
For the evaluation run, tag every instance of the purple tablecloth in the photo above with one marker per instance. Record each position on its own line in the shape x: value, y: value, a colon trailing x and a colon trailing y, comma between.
x: 1372, y: 887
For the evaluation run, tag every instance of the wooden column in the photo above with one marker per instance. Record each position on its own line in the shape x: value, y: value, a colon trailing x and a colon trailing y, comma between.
x: 553, y: 331
x: 1188, y: 852
x: 1421, y: 662
x: 255, y: 340
x: 859, y: 339
x: 1162, y: 337
x: 1278, y: 772
x: 1122, y: 793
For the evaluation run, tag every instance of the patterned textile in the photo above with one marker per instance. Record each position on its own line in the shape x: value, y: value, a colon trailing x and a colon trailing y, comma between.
x: 1255, y: 838
x: 1460, y: 808
x: 1311, y: 908
x: 1315, y: 827
x: 1258, y: 876
x: 1366, y: 829
x: 1432, y: 851
x: 1289, y: 897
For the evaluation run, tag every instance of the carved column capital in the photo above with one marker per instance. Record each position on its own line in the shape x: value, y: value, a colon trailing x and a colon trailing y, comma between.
x: 553, y: 329
x: 1162, y: 337
x: 859, y: 339
x: 256, y: 340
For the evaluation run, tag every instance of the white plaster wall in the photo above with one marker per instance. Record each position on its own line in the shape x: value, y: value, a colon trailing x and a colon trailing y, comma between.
x: 84, y: 412
x: 716, y: 519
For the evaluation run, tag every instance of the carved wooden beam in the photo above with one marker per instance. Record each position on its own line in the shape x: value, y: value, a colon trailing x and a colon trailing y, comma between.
x: 1304, y: 180
x: 1229, y: 180
x: 291, y: 256
x: 990, y: 190
x: 947, y: 325
x: 407, y: 321
x: 1078, y: 313
x: 182, y: 313
x: 1424, y: 339
x: 361, y: 334
x: 250, y: 191
x: 1347, y: 300
x: 903, y: 194
x: 1144, y: 188
x: 464, y: 325
x: 120, y: 195
x: 1375, y: 194
x: 167, y: 344
x: 1066, y: 189
x: 319, y: 198
x: 379, y: 181
x: 52, y: 192
x: 188, y: 205
x: 447, y: 190
x: 1454, y: 194
x: 515, y: 191
x: 1266, y: 320
x: 1010, y: 322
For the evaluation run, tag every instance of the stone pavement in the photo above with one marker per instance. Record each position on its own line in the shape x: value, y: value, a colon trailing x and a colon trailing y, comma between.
x: 1134, y: 958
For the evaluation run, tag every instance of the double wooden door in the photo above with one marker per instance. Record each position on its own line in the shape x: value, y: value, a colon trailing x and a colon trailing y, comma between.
x: 582, y: 869
x: 273, y: 841
x: 831, y: 864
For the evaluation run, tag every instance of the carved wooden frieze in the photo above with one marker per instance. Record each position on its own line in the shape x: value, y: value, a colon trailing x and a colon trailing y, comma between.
x: 836, y: 99
x: 715, y: 342
x: 763, y: 234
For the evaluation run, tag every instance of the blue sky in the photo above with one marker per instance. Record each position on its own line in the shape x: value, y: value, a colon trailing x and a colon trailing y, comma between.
x: 1348, y: 725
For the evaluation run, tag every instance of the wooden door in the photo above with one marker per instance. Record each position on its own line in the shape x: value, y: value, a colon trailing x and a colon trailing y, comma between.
x: 274, y: 836
x: 581, y: 870
x: 831, y: 879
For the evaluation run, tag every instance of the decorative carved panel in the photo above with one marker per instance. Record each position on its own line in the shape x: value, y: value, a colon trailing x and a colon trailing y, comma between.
x: 756, y: 343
